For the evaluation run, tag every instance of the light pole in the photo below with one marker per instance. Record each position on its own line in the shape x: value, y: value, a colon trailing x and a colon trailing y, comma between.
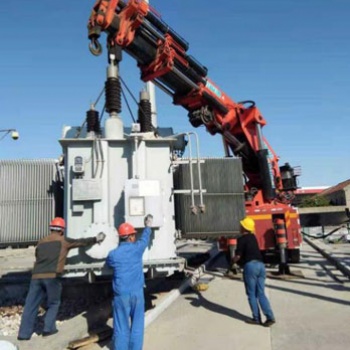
x: 14, y: 133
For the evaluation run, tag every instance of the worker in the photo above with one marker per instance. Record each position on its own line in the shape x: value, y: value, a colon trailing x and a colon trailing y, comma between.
x: 50, y: 253
x: 249, y: 257
x: 128, y: 284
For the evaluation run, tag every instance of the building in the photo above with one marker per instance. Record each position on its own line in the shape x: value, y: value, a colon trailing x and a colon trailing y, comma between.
x: 306, y: 192
x: 338, y: 194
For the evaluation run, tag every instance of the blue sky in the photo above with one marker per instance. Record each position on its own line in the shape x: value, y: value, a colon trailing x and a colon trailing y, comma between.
x: 291, y: 56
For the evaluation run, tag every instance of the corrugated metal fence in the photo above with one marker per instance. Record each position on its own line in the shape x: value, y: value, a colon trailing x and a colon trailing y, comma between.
x: 28, y: 195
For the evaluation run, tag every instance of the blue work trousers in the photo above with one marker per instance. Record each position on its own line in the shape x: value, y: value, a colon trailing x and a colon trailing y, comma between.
x: 128, y: 321
x: 254, y: 276
x: 38, y: 289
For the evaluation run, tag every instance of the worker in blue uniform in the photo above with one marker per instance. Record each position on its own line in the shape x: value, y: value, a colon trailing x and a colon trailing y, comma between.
x: 128, y: 283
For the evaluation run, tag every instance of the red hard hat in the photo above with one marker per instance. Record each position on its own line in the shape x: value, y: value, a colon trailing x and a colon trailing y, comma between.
x: 57, y: 224
x: 126, y: 229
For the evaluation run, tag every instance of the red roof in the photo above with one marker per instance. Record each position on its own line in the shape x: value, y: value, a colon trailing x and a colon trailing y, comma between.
x: 336, y: 188
x: 310, y: 190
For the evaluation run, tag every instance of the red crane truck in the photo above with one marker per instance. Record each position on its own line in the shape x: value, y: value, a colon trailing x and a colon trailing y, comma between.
x: 161, y: 55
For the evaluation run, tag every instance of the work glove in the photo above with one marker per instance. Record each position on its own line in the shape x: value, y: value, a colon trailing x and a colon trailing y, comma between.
x: 148, y: 220
x: 100, y: 237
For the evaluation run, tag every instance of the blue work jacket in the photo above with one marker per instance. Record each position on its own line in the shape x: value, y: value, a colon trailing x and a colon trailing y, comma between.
x: 126, y: 262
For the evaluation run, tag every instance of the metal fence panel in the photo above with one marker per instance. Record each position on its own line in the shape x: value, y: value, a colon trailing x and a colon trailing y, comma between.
x: 28, y: 193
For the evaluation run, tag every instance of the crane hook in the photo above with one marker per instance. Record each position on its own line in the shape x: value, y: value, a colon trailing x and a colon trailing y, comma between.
x: 95, y: 47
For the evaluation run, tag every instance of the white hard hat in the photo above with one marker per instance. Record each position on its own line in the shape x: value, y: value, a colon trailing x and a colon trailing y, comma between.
x: 5, y: 345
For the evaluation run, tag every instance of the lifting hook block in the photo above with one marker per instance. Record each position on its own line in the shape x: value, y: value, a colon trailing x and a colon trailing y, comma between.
x: 95, y: 47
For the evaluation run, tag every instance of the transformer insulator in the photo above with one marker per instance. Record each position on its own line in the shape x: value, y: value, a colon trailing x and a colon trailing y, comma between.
x: 145, y: 116
x: 93, y: 121
x: 113, y: 95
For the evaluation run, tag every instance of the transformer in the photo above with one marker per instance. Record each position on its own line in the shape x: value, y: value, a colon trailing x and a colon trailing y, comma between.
x: 116, y: 178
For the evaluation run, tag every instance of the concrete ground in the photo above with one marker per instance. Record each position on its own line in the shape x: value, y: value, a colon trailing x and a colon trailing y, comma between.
x: 14, y: 285
x: 312, y: 312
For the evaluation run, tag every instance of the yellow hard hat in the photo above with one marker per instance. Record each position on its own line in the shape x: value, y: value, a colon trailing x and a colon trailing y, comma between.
x: 248, y: 224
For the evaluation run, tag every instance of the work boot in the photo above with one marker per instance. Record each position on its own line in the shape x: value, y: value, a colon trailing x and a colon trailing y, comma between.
x: 252, y: 321
x: 21, y: 338
x: 47, y: 334
x: 269, y: 323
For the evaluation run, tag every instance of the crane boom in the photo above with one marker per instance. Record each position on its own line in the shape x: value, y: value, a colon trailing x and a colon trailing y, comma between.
x: 162, y: 56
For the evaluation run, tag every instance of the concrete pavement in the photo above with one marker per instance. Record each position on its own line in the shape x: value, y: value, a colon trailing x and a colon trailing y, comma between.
x: 213, y: 319
x: 312, y: 312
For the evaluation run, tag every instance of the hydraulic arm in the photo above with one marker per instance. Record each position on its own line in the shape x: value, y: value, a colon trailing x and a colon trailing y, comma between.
x: 162, y: 57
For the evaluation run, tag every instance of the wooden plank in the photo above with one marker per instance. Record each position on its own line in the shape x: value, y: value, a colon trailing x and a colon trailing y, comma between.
x: 92, y: 338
